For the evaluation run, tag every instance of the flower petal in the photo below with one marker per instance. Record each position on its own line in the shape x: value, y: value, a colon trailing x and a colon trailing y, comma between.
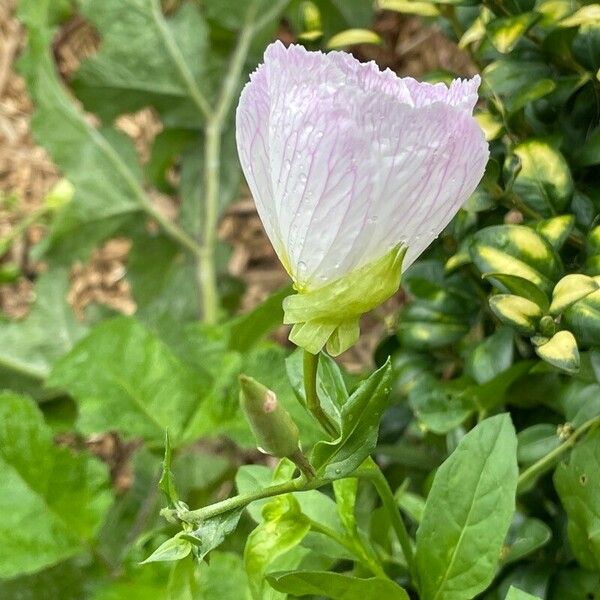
x: 345, y: 161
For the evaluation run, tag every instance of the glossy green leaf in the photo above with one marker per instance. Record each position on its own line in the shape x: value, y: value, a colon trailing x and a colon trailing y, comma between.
x: 583, y: 16
x: 468, y: 514
x: 519, y: 286
x: 423, y: 9
x: 516, y: 250
x: 518, y: 312
x: 561, y: 351
x: 492, y: 356
x: 52, y: 499
x: 586, y: 46
x: 577, y: 482
x: 174, y: 548
x: 360, y: 418
x: 126, y: 379
x: 336, y: 586
x: 352, y: 37
x: 570, y: 289
x: 556, y: 230
x: 583, y: 319
x: 423, y: 327
x: 506, y: 32
x: 544, y: 182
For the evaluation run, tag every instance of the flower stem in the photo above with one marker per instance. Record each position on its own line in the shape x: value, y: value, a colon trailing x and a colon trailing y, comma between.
x: 311, y: 365
x: 215, y: 123
x: 546, y: 462
x: 371, y: 471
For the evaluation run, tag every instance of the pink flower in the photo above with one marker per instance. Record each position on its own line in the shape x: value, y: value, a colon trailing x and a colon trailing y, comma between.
x: 346, y: 162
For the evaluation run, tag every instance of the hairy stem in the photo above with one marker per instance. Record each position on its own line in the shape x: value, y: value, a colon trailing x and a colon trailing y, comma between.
x: 207, y: 276
x: 311, y: 365
x: 546, y: 463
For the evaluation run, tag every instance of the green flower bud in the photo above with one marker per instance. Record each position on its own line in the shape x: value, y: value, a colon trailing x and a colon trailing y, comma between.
x: 273, y: 428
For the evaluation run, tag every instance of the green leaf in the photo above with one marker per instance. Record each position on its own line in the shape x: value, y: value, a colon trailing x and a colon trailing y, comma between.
x: 536, y: 441
x: 586, y: 46
x: 223, y: 578
x: 345, y: 499
x: 351, y: 37
x: 544, y: 182
x: 518, y: 312
x: 506, y: 32
x: 570, y: 289
x: 145, y: 59
x: 468, y: 513
x: 174, y: 548
x: 248, y: 329
x: 101, y: 164
x: 167, y: 482
x: 556, y: 230
x: 590, y: 151
x: 360, y: 418
x: 440, y: 407
x: 517, y: 594
x: 336, y: 586
x: 575, y: 584
x: 526, y: 535
x: 31, y: 346
x: 583, y: 319
x: 53, y: 500
x: 211, y: 532
x: 126, y: 379
x: 491, y: 357
x: 519, y: 286
x: 516, y: 250
x: 560, y: 351
x: 411, y: 7
x: 583, y: 16
x: 284, y: 527
x: 578, y: 485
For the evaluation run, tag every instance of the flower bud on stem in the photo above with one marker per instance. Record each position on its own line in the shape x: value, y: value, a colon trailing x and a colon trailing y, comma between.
x: 273, y: 427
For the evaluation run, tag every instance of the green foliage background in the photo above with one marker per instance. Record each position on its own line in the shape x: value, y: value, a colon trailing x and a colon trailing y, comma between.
x: 503, y: 317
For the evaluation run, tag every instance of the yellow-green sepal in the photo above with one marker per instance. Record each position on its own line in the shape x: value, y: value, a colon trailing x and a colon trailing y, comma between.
x: 329, y: 315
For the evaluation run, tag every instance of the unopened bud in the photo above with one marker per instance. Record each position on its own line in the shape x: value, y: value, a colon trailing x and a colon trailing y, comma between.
x: 273, y: 428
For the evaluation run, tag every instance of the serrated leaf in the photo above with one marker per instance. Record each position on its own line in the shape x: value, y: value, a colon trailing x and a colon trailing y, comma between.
x: 570, y: 289
x: 32, y: 345
x: 359, y: 418
x: 174, y: 548
x: 101, y: 164
x: 145, y: 59
x: 336, y: 586
x: 53, y: 500
x: 544, y: 182
x: 468, y: 513
x: 125, y: 379
x: 578, y: 485
x: 516, y: 250
x: 560, y: 351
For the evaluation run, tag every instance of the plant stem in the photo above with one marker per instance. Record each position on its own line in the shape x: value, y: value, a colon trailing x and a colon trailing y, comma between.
x: 207, y: 276
x: 311, y: 365
x: 372, y: 472
x: 545, y: 463
x: 352, y: 545
x: 299, y: 484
